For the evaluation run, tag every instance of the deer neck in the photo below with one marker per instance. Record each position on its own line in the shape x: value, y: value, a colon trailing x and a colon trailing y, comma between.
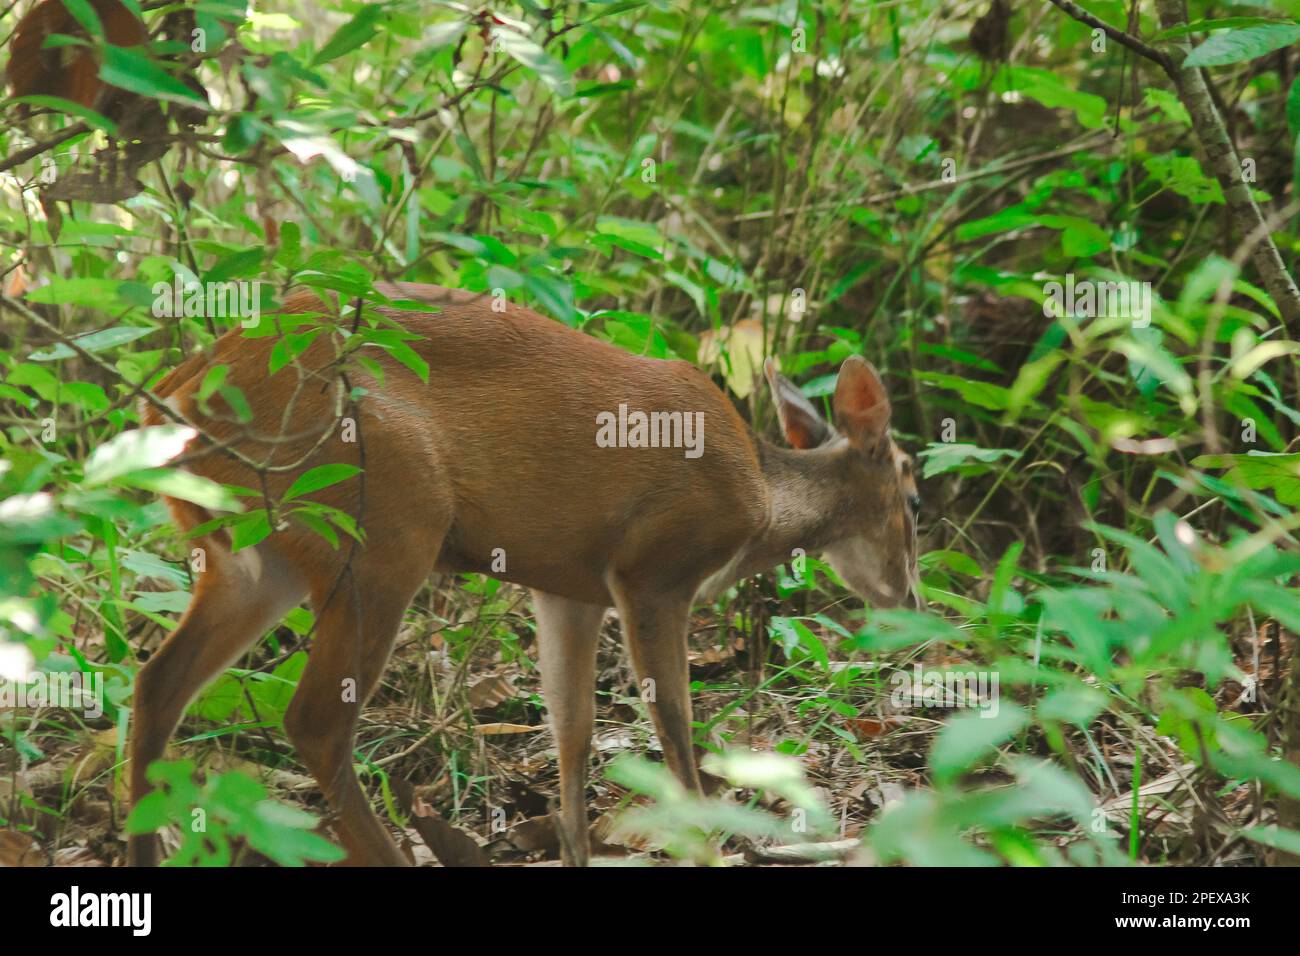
x: 803, y: 504
x: 805, y: 496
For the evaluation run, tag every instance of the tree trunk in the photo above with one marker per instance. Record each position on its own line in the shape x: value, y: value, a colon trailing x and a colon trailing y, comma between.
x: 1226, y: 166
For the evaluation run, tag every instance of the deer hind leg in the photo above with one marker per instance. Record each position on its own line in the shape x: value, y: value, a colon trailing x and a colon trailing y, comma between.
x: 237, y: 600
x: 654, y: 626
x: 567, y: 634
x: 357, y: 622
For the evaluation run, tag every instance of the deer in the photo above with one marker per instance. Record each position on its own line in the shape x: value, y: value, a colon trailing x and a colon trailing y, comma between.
x: 494, y: 456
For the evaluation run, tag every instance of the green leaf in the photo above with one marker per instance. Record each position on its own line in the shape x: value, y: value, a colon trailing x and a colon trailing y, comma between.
x: 551, y: 70
x: 220, y: 700
x: 135, y: 450
x: 1293, y: 108
x: 983, y: 394
x: 1077, y: 704
x: 1205, y: 26
x: 410, y: 358
x: 1248, y: 43
x: 150, y: 565
x: 320, y: 477
x: 92, y: 118
x: 953, y: 560
x: 890, y: 630
x: 941, y: 457
x: 1052, y: 91
x: 318, y: 525
x: 439, y: 35
x: 968, y: 736
x: 642, y: 233
x: 91, y: 293
x: 358, y: 30
x: 1032, y: 378
x: 468, y: 244
x: 918, y: 830
x: 249, y: 529
x: 86, y: 395
x: 555, y: 295
x: 1183, y: 174
x: 290, y: 251
x: 85, y: 15
x: 273, y: 692
x: 149, y: 813
x: 245, y: 262
x: 133, y: 71
x: 1168, y: 104
x: 1279, y: 839
x: 1279, y: 473
x: 176, y: 483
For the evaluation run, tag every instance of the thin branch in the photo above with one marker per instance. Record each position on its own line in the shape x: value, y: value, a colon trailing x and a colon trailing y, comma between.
x: 1116, y: 34
x: 15, y: 159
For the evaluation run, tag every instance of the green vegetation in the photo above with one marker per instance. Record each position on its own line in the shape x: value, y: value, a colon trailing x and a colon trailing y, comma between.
x: 1011, y: 213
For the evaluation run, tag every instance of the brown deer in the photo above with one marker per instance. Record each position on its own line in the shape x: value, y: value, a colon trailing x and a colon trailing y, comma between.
x: 496, y: 457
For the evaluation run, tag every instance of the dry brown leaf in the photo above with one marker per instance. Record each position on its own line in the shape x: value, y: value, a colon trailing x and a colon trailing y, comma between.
x: 489, y: 729
x: 535, y: 834
x: 742, y: 344
x: 869, y: 727
x: 17, y: 282
x: 19, y: 849
x: 415, y: 849
x: 76, y: 856
x: 489, y: 692
x: 450, y: 845
x: 604, y: 831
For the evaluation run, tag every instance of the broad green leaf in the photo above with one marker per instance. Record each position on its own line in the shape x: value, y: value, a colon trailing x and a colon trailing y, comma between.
x: 983, y: 394
x: 72, y: 108
x: 642, y: 233
x: 136, y: 450
x: 1279, y: 473
x: 177, y: 483
x: 1247, y: 43
x: 1077, y: 704
x: 91, y: 293
x: 95, y: 342
x: 1168, y: 104
x: 360, y: 29
x: 320, y: 477
x: 969, y: 735
x: 249, y: 529
x: 132, y: 70
x: 1275, y: 837
x: 942, y: 457
x: 1206, y: 26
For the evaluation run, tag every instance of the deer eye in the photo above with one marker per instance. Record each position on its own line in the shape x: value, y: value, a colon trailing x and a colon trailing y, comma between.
x: 915, y: 502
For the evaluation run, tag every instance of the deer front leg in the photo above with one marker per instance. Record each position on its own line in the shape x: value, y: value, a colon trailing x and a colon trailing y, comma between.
x: 654, y: 628
x: 567, y: 634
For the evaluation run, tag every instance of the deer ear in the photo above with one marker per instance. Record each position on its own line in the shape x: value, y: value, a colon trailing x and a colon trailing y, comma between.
x: 802, y: 426
x: 862, y: 408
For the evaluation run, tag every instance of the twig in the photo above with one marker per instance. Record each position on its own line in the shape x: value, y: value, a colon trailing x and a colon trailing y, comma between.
x: 1118, y: 35
x: 15, y: 159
